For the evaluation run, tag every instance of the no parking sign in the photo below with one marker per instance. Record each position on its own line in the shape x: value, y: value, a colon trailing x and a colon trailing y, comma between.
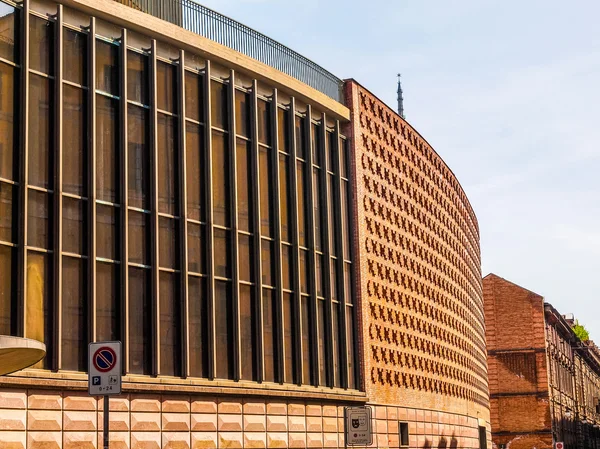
x: 104, y: 362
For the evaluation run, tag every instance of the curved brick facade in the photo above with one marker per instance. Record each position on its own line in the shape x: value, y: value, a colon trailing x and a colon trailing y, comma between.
x: 420, y: 278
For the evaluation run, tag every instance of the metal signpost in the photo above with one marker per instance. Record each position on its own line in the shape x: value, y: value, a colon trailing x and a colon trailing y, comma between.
x: 358, y: 426
x: 104, y: 378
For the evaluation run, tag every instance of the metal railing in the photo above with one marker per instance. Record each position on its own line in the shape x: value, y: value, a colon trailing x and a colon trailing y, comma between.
x: 219, y: 28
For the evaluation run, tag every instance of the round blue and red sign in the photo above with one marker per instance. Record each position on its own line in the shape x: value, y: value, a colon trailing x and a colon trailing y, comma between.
x: 104, y: 359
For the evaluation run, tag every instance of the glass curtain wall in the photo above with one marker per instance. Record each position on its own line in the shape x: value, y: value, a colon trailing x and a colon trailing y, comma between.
x: 198, y: 224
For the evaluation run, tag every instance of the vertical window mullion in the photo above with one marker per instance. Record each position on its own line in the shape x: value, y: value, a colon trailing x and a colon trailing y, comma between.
x: 235, y: 277
x: 257, y: 232
x: 210, y: 263
x: 296, y: 310
x: 23, y: 171
x: 326, y: 246
x: 183, y: 217
x: 58, y: 149
x: 344, y: 346
x: 124, y: 218
x: 154, y: 226
x: 92, y: 194
x: 278, y: 326
x: 312, y: 263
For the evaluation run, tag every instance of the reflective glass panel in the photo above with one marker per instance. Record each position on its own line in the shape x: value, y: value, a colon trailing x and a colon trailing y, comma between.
x: 138, y: 158
x: 283, y: 130
x: 107, y: 301
x: 306, y: 348
x: 267, y: 262
x: 332, y: 162
x: 317, y: 208
x: 264, y: 122
x: 244, y: 187
x: 8, y: 160
x: 168, y: 243
x: 75, y: 57
x: 7, y: 199
x: 269, y: 334
x: 198, y: 321
x: 107, y: 70
x: 139, y: 242
x: 322, y: 336
x: 343, y: 158
x: 316, y: 144
x: 107, y: 145
x: 348, y: 283
x: 288, y: 338
x: 246, y: 268
x: 221, y: 189
x: 165, y: 86
x: 284, y: 199
x: 40, y: 131
x: 300, y: 137
x: 332, y: 207
x: 170, y: 325
x: 137, y: 77
x: 74, y: 235
x: 41, y: 38
x: 335, y: 319
x: 219, y: 109
x: 38, y: 207
x: 222, y: 253
x: 350, y: 341
x: 346, y: 218
x: 140, y: 321
x: 242, y: 113
x: 74, y: 140
x: 196, y: 248
x: 9, y: 20
x: 266, y: 192
x: 195, y: 165
x: 167, y: 165
x: 302, y: 203
x: 304, y: 271
x: 107, y: 244
x: 247, y: 332
x: 286, y: 266
x: 74, y: 315
x: 194, y: 96
x: 224, y: 330
x: 7, y: 296
x: 39, y: 310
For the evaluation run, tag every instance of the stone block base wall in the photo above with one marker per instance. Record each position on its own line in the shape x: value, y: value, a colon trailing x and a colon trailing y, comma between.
x: 48, y: 419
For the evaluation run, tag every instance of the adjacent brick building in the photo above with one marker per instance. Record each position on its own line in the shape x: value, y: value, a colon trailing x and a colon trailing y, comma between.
x: 543, y: 379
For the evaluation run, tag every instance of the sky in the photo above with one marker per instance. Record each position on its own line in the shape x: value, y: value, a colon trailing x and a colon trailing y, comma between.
x: 506, y: 92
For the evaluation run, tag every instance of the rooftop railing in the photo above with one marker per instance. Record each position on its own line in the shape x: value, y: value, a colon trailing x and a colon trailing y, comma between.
x: 215, y: 26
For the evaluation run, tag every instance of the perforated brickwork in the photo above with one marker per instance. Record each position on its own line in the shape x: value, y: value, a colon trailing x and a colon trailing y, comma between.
x: 418, y: 242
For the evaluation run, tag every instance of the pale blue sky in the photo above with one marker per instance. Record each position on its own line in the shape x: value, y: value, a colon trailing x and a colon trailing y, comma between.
x: 507, y: 92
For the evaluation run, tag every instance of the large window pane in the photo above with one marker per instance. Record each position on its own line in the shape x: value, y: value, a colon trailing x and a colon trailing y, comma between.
x: 9, y: 30
x: 8, y: 161
x: 288, y: 338
x: 107, y: 147
x: 317, y: 209
x: 196, y: 248
x: 343, y: 158
x: 107, y: 244
x: 38, y: 219
x: 218, y: 107
x: 198, y: 319
x: 246, y: 256
x: 303, y: 271
x: 107, y: 302
x: 41, y: 33
x: 196, y: 187
x: 139, y: 242
x: 247, y: 332
x: 335, y: 319
x: 194, y: 96
x: 332, y: 211
x: 7, y: 200
x: 222, y: 253
x: 350, y: 341
x: 107, y: 70
x: 269, y: 334
x: 74, y: 235
x: 170, y: 325
x: 264, y: 122
x: 346, y: 218
x: 224, y: 330
x: 220, y: 168
x: 75, y: 57
x: 40, y: 131
x: 167, y: 165
x: 300, y: 137
x: 138, y: 158
x: 74, y: 315
x: 7, y: 294
x: 242, y: 113
x: 307, y: 359
x: 331, y: 150
x: 140, y: 321
x: 284, y: 199
x: 268, y: 263
x: 348, y: 283
x: 39, y: 310
x: 266, y: 192
x: 286, y: 266
x: 322, y: 338
x: 74, y: 140
x: 137, y: 77
x: 302, y: 219
x: 244, y: 187
x: 168, y: 243
x: 283, y: 130
x: 316, y: 144
x: 165, y: 86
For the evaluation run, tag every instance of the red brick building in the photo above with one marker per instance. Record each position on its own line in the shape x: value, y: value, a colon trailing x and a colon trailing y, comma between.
x: 543, y: 379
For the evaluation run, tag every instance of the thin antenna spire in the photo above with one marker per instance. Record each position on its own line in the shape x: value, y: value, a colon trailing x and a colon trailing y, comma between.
x: 400, y: 98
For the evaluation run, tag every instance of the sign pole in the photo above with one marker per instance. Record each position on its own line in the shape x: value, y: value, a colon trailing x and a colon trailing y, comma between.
x: 106, y: 421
